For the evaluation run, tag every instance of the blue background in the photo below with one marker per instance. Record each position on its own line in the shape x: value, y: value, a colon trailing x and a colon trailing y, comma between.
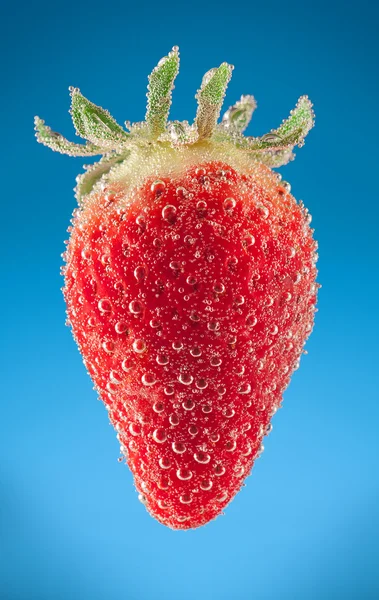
x: 306, y: 525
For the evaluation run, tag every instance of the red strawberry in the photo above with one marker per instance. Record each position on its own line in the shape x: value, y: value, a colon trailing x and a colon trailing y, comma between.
x: 190, y: 287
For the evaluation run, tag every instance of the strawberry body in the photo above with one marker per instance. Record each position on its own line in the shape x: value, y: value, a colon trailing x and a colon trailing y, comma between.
x: 191, y: 298
x: 190, y: 286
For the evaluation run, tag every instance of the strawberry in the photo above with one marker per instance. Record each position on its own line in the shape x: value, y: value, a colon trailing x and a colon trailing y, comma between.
x: 190, y: 287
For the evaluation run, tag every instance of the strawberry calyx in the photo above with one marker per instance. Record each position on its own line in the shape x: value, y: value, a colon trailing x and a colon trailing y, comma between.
x: 157, y: 136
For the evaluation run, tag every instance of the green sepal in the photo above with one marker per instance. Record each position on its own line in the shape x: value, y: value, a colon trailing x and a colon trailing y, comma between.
x: 55, y: 141
x: 210, y: 97
x: 291, y: 132
x: 161, y: 84
x: 95, y: 124
x: 238, y: 116
x: 87, y: 181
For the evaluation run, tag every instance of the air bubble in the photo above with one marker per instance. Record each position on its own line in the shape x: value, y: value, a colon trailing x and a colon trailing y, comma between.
x: 207, y: 409
x: 231, y: 263
x: 274, y: 330
x: 191, y: 280
x: 119, y: 286
x: 158, y: 187
x: 141, y: 222
x: 193, y: 430
x: 85, y: 254
x: 239, y: 300
x: 229, y: 204
x: 213, y: 326
x: 108, y: 347
x: 222, y: 496
x: 91, y: 322
x: 174, y: 420
x: 164, y: 463
x: 104, y: 306
x: 286, y: 186
x: 139, y: 346
x: 178, y: 447
x: 194, y: 316
x: 154, y: 323
x: 202, y: 458
x: 177, y: 346
x: 185, y: 378
x: 140, y: 272
x: 112, y: 389
x: 120, y: 327
x: 188, y: 404
x: 148, y: 379
x: 185, y: 499
x: 169, y: 213
x: 200, y: 172
x: 263, y: 210
x: 195, y: 352
x: 115, y: 377
x: 184, y: 474
x: 126, y: 364
x: 105, y: 259
x: 229, y: 412
x: 181, y: 192
x: 134, y: 429
x: 201, y: 207
x: 206, y: 485
x: 248, y: 240
x: 182, y: 519
x: 219, y: 470
x: 174, y: 265
x: 189, y: 240
x: 135, y: 307
x: 221, y: 390
x: 219, y: 288
x: 169, y: 390
x: 214, y: 437
x: 247, y: 451
x: 158, y: 407
x: 162, y: 359
x: 231, y: 445
x: 215, y: 361
x: 245, y: 388
x: 239, y: 471
x: 159, y: 435
x: 201, y: 384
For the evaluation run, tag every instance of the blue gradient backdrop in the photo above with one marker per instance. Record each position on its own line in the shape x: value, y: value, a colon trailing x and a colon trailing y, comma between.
x: 306, y: 525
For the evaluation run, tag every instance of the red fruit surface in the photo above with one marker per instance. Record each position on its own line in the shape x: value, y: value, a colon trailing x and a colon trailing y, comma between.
x: 191, y: 299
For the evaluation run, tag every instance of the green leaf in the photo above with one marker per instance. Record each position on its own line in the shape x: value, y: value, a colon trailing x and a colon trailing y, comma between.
x: 58, y: 143
x: 210, y: 97
x: 238, y: 116
x: 87, y: 181
x: 161, y: 84
x: 95, y: 124
x: 291, y: 132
